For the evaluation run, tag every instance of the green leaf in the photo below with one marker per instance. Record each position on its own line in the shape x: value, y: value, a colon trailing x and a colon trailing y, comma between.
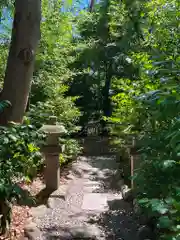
x: 4, y: 104
x: 168, y: 163
x: 27, y: 179
x: 12, y: 137
x: 158, y: 206
x: 143, y: 201
x: 177, y: 191
x: 164, y: 222
x: 6, y: 140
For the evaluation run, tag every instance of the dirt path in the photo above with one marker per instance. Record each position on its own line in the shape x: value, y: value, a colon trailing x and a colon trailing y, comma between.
x: 88, y: 205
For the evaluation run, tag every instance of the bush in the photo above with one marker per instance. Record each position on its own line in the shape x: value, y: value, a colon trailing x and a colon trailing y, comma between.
x: 150, y: 106
x: 18, y: 145
x: 72, y: 150
x: 63, y: 108
x: 19, y: 158
x: 158, y: 176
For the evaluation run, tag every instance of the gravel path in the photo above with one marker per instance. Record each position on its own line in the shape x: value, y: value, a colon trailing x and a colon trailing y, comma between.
x: 88, y: 205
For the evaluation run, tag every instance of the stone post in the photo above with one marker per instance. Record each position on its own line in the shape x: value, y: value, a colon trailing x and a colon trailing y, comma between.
x: 134, y: 160
x: 51, y: 152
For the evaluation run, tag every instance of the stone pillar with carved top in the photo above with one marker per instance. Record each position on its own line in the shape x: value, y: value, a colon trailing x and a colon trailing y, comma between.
x: 51, y: 151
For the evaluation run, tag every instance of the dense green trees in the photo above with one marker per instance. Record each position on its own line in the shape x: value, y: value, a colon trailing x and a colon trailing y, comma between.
x: 117, y: 62
x: 150, y: 105
x: 20, y: 157
x: 131, y: 51
x: 102, y: 57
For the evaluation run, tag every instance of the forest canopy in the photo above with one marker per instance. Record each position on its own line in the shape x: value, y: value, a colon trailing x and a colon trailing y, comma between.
x: 115, y: 62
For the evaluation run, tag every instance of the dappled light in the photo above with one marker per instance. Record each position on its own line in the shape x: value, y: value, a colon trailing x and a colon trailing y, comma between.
x: 89, y: 120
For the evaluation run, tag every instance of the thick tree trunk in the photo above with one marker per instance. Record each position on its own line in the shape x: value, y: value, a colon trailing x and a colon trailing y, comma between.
x: 20, y: 64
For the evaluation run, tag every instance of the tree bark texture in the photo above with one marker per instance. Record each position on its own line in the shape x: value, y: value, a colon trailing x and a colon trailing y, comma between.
x: 20, y: 65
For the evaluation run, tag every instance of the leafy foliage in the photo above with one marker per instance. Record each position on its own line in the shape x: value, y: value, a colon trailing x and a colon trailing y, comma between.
x: 19, y: 158
x: 129, y: 52
x: 149, y: 106
x: 4, y: 104
x: 48, y: 93
x: 119, y: 63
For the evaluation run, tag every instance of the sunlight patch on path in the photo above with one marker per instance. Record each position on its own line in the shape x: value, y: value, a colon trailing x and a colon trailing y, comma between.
x: 95, y: 202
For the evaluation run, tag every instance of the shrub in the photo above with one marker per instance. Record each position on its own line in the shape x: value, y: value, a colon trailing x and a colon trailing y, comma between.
x: 18, y: 144
x: 151, y: 109
x: 19, y: 158
x: 72, y: 150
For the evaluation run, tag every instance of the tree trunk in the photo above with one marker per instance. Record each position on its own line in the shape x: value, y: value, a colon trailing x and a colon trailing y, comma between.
x: 91, y: 6
x: 107, y: 101
x: 24, y: 41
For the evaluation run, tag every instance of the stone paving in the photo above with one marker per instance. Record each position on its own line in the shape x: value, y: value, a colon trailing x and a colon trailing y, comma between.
x: 88, y: 206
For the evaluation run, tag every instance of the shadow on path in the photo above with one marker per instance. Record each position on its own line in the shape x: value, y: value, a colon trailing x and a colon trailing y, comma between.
x: 108, y: 172
x: 88, y: 205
